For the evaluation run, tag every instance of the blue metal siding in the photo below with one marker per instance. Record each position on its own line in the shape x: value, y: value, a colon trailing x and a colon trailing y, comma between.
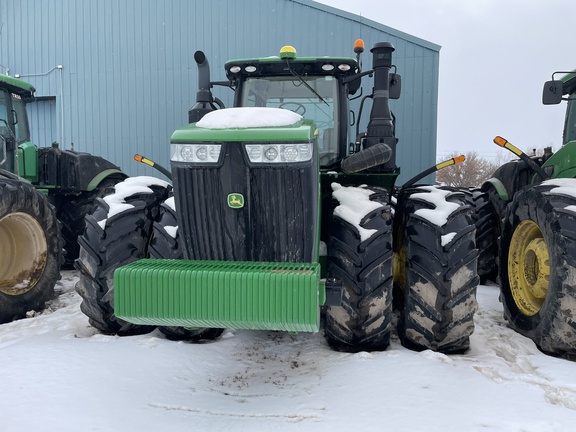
x: 129, y: 77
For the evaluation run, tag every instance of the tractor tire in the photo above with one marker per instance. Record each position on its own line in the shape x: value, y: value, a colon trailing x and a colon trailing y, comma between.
x: 435, y: 269
x: 487, y: 220
x: 538, y: 266
x: 31, y: 249
x: 165, y: 244
x: 116, y: 235
x: 72, y: 210
x: 364, y: 267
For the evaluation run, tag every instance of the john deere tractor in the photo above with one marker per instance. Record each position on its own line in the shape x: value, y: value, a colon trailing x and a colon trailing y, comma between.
x: 532, y: 202
x: 280, y: 219
x: 38, y: 186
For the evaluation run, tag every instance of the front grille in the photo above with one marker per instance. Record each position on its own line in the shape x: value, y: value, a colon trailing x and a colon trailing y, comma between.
x: 278, y: 222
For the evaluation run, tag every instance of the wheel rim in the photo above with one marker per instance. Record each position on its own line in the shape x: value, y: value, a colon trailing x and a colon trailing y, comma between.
x: 528, y: 267
x: 21, y: 268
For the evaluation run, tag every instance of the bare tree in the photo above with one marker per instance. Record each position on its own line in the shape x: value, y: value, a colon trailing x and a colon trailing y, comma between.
x: 474, y: 171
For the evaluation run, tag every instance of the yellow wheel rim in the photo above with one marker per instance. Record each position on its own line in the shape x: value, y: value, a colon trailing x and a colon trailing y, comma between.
x: 23, y: 254
x: 528, y: 267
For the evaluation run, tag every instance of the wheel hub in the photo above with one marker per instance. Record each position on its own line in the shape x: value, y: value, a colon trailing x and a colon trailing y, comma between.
x: 23, y: 258
x: 528, y: 267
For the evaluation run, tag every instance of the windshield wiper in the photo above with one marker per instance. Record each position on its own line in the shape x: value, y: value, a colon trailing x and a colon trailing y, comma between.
x: 293, y: 72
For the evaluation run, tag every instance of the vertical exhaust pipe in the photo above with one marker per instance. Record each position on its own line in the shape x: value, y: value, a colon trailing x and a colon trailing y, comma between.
x: 204, y: 99
x: 380, y: 128
x: 379, y: 153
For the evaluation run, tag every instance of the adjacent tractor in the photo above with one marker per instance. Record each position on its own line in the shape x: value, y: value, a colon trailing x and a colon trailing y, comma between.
x: 532, y: 202
x: 280, y: 218
x: 40, y: 190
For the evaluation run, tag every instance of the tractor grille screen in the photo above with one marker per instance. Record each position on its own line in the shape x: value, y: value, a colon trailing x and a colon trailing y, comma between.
x: 242, y: 213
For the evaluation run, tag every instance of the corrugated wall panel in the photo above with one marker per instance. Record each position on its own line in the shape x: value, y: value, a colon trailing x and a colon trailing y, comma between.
x: 129, y: 77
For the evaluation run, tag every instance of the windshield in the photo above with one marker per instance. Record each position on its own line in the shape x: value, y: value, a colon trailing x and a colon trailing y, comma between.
x: 316, y: 101
x: 570, y: 126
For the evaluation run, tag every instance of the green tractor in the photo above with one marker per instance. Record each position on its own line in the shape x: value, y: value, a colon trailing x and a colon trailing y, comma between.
x: 40, y: 189
x: 532, y: 202
x: 277, y: 220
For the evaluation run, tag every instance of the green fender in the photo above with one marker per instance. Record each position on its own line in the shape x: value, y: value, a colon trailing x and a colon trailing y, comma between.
x: 498, y: 187
x: 95, y: 182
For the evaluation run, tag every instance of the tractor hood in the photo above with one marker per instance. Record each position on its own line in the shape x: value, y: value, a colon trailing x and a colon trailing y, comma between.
x: 247, y: 124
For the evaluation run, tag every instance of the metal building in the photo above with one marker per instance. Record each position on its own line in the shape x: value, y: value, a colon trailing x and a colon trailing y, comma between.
x: 116, y: 77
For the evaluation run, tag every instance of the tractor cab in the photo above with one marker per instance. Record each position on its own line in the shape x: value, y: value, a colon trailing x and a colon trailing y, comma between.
x: 315, y: 88
x: 555, y: 91
x: 14, y: 128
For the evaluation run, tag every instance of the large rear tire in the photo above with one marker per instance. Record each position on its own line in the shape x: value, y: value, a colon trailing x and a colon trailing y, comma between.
x: 116, y: 234
x: 487, y: 219
x: 364, y: 267
x: 435, y: 271
x: 538, y: 265
x: 72, y: 210
x: 31, y: 249
x: 165, y: 244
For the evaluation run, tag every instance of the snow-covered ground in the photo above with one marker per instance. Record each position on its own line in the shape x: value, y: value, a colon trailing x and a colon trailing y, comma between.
x: 59, y: 374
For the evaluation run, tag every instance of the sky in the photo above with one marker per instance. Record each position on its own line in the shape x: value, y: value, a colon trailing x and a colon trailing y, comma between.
x: 495, y: 57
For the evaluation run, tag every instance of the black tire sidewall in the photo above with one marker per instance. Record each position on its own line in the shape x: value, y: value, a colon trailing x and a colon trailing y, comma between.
x: 20, y: 197
x: 532, y: 204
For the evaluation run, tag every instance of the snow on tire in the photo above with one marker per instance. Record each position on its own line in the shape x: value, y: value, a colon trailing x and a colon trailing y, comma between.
x: 31, y: 249
x: 360, y: 257
x: 435, y: 269
x: 165, y: 244
x: 538, y: 265
x: 117, y: 233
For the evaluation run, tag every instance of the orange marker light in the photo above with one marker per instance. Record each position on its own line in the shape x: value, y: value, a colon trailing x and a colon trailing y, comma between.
x: 459, y: 159
x: 359, y: 46
x: 138, y: 158
x: 500, y: 141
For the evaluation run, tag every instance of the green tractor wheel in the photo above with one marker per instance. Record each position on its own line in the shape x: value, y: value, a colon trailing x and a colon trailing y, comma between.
x: 363, y: 320
x: 117, y: 233
x: 31, y: 249
x: 538, y: 266
x: 435, y: 275
x: 165, y: 244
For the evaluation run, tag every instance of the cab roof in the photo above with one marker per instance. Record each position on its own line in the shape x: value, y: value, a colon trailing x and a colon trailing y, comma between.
x: 276, y: 66
x: 14, y: 85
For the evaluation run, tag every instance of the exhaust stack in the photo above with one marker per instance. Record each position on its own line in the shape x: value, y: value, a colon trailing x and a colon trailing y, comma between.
x: 379, y: 150
x: 204, y: 99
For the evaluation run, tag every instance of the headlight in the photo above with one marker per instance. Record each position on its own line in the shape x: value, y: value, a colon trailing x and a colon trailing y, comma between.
x: 198, y: 153
x: 279, y: 153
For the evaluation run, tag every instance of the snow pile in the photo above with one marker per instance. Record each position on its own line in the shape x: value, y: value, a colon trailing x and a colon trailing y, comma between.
x: 563, y: 187
x: 59, y: 374
x: 131, y: 186
x: 248, y: 117
x: 442, y: 209
x: 171, y: 230
x: 355, y: 204
x: 447, y: 238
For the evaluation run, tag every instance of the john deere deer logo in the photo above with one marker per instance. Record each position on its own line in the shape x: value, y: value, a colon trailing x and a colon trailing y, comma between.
x: 235, y: 200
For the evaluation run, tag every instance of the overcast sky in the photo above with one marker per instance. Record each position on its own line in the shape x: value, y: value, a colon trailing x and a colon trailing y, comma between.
x: 495, y: 57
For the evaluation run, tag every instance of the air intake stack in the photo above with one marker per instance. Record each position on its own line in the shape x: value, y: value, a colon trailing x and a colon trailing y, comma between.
x: 204, y: 99
x: 379, y: 149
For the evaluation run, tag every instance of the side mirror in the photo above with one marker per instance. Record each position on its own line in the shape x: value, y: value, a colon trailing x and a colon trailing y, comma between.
x: 395, y: 86
x: 552, y: 92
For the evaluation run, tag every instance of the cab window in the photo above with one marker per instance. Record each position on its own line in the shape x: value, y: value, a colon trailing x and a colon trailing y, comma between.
x: 316, y: 101
x: 21, y: 129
